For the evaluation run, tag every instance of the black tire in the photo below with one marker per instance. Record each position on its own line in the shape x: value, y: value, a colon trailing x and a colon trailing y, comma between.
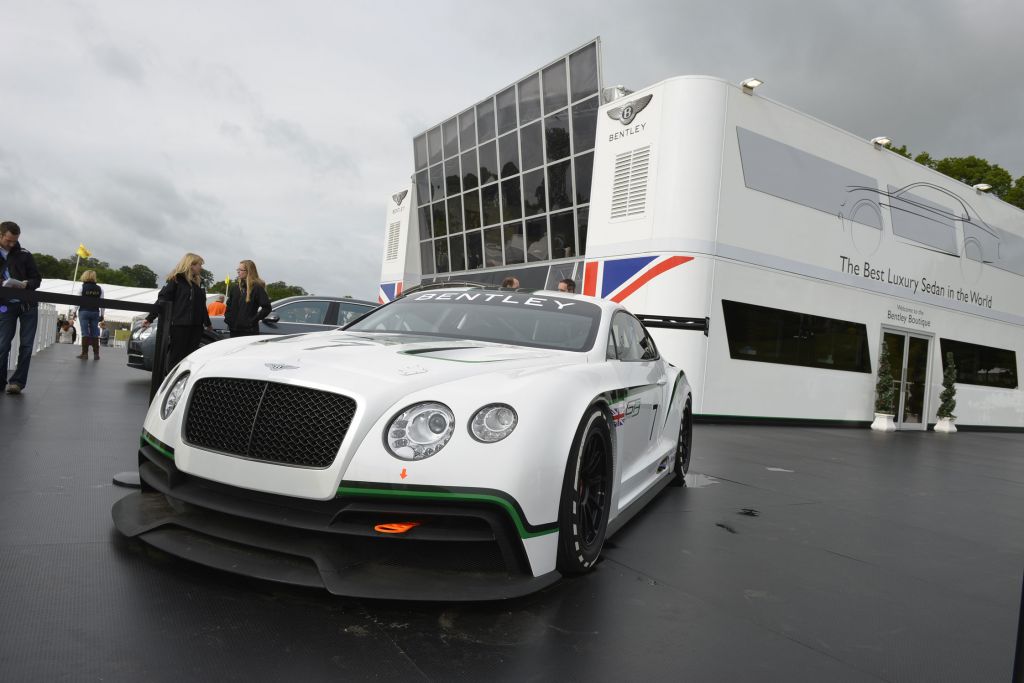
x: 586, y: 495
x: 684, y: 446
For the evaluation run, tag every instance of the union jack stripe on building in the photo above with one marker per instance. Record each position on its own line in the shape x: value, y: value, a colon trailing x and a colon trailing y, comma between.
x: 616, y: 279
x: 389, y: 291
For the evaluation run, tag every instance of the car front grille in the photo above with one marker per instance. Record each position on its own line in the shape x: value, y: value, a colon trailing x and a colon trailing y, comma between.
x: 268, y: 421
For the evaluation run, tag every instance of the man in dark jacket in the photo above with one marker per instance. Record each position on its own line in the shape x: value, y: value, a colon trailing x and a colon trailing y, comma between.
x: 18, y: 270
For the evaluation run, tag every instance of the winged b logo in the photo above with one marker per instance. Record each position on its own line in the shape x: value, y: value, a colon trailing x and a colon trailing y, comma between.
x: 280, y: 366
x: 400, y: 197
x: 627, y: 112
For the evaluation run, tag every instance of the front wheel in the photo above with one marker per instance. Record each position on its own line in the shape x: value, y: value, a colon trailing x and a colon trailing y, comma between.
x: 684, y: 446
x: 586, y: 495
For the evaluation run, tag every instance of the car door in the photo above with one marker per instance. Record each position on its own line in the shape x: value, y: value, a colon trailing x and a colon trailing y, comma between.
x: 641, y: 376
x: 296, y: 317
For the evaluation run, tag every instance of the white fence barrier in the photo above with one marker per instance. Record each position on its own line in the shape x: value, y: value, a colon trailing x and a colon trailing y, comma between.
x: 46, y: 334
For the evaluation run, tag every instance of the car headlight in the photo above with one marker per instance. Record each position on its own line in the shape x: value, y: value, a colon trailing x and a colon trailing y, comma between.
x: 420, y: 431
x: 146, y: 332
x: 174, y: 395
x: 493, y: 422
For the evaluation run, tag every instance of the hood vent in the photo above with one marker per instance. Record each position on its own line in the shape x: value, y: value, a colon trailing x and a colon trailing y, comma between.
x: 629, y: 191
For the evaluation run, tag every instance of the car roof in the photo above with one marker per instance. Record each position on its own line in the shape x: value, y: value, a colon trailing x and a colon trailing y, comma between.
x: 317, y: 297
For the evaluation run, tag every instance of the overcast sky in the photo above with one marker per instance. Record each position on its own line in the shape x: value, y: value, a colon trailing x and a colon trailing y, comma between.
x: 277, y: 130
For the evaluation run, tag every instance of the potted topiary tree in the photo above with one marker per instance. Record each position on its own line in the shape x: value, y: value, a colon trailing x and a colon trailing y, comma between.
x: 947, y: 399
x: 885, y: 394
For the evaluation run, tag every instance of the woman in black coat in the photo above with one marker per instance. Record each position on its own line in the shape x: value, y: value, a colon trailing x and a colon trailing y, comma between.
x: 184, y: 290
x: 248, y: 302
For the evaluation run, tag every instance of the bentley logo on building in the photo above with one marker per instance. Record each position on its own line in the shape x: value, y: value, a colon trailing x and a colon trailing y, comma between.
x: 627, y: 112
x: 400, y: 197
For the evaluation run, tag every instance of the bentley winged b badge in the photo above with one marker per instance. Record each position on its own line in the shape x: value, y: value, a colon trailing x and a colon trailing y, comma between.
x: 274, y: 367
x: 627, y: 112
x: 400, y: 197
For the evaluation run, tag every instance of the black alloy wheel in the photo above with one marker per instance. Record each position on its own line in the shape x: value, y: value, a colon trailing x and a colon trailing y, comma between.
x: 684, y: 446
x: 586, y: 496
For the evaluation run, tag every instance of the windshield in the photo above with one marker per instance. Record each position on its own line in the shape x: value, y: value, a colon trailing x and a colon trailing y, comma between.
x: 548, y: 322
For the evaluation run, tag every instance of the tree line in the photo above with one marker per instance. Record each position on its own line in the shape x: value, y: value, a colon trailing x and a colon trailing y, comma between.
x: 139, y: 275
x: 973, y: 170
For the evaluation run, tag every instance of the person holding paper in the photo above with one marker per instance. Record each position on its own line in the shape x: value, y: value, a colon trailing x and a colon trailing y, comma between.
x: 17, y: 270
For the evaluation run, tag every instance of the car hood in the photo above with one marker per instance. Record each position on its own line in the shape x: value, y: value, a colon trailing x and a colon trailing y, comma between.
x: 372, y: 364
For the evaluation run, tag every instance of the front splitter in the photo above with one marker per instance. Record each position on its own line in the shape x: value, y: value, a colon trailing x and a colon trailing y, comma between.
x: 282, y: 554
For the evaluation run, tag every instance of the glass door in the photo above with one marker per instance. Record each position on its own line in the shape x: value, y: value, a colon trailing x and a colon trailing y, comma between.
x: 908, y: 357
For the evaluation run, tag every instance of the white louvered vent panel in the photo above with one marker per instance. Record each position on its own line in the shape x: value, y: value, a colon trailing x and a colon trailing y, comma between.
x: 638, y: 181
x: 629, y: 190
x: 392, y: 251
x: 620, y: 186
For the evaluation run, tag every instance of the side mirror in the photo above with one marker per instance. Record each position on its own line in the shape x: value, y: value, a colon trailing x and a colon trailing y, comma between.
x: 272, y: 319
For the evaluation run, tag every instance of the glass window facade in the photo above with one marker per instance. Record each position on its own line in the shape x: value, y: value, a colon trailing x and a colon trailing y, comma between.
x: 773, y: 335
x: 507, y: 181
x: 983, y: 365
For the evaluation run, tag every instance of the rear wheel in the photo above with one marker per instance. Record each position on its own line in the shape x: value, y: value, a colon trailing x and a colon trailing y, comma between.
x: 586, y: 495
x: 684, y: 446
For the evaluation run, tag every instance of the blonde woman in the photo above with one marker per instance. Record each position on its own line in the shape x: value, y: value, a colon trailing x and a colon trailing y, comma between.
x: 90, y: 315
x: 248, y: 302
x: 184, y: 291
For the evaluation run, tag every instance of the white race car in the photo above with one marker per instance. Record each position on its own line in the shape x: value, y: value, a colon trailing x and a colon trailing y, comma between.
x: 458, y: 444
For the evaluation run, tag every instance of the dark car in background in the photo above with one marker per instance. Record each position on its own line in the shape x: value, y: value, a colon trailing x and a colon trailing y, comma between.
x: 291, y: 315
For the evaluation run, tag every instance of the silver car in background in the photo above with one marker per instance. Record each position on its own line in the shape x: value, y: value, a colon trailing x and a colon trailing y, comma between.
x: 291, y: 315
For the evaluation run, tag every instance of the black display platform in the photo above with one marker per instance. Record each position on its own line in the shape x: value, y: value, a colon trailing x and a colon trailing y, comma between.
x: 893, y: 557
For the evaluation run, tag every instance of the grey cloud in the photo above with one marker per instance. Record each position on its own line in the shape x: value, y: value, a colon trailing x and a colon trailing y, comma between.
x: 293, y: 139
x: 223, y: 84
x: 290, y: 137
x: 146, y: 218
x: 27, y: 201
x: 232, y: 131
x: 119, y: 63
x: 143, y: 201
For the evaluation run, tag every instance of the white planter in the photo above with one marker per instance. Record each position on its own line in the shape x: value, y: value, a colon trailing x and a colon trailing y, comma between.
x: 883, y: 423
x: 945, y: 424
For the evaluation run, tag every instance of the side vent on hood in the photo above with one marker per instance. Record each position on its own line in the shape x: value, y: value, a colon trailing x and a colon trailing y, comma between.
x: 629, y: 191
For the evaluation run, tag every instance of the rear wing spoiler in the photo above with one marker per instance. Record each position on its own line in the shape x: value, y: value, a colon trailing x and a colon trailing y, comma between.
x: 673, y: 322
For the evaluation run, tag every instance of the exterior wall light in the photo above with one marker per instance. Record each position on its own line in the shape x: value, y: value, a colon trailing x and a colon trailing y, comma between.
x: 749, y: 85
x: 982, y: 187
x: 880, y: 142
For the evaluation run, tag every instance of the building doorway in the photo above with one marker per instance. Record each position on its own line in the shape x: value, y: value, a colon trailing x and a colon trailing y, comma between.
x: 909, y: 357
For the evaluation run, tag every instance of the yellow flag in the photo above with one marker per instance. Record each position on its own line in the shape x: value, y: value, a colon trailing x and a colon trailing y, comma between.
x: 83, y: 252
x: 227, y: 284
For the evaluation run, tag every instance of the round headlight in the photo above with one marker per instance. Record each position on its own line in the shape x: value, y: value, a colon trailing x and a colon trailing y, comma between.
x: 174, y: 395
x: 420, y: 431
x: 493, y: 423
x: 146, y: 332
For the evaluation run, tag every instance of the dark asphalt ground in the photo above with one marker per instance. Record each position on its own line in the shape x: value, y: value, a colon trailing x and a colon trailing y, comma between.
x: 872, y: 557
